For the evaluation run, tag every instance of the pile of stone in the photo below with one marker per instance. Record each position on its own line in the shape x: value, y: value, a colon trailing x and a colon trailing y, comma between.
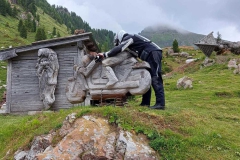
x: 223, y: 46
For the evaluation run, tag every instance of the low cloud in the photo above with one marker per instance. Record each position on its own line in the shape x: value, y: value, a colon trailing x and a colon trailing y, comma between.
x: 200, y: 17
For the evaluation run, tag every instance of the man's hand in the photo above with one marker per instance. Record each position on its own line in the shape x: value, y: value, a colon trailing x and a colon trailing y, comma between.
x: 99, y: 57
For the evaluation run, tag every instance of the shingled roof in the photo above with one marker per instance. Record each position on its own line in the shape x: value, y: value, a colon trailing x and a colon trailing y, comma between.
x: 86, y: 38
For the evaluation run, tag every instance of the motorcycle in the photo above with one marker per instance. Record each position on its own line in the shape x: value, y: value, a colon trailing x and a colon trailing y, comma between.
x: 89, y: 80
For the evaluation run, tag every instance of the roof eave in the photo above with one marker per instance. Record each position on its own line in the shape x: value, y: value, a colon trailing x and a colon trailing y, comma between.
x: 10, y: 53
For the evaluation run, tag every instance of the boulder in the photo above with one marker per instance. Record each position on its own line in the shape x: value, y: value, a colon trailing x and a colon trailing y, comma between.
x: 232, y: 64
x: 237, y: 70
x: 20, y: 155
x: 190, y: 60
x: 170, y: 51
x: 90, y: 137
x: 184, y: 54
x: 208, y: 62
x: 184, y: 82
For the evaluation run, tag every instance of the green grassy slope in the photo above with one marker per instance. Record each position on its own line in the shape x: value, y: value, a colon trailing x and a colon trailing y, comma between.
x: 9, y: 35
x: 198, y: 123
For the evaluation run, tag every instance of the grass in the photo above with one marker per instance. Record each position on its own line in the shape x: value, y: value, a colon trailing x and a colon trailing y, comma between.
x: 198, y: 123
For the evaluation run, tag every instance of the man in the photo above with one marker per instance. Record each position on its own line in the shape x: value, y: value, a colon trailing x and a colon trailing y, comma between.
x: 146, y: 51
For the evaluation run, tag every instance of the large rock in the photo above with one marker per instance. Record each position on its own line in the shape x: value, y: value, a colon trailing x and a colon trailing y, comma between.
x: 184, y: 82
x: 184, y: 54
x: 232, y: 64
x: 208, y: 62
x: 237, y: 70
x: 93, y: 138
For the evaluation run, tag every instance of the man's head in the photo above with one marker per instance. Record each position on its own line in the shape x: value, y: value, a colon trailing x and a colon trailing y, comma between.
x: 118, y: 37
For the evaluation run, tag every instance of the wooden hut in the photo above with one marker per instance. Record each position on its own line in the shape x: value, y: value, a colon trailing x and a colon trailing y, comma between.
x: 24, y: 74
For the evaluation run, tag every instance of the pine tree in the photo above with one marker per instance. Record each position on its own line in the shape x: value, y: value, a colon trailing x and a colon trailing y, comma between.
x: 175, y: 46
x: 34, y: 26
x: 23, y: 32
x: 20, y: 24
x: 8, y: 9
x: 43, y: 34
x: 58, y: 34
x: 38, y: 18
x: 28, y: 23
x: 32, y: 7
x: 40, y: 35
x: 219, y: 37
x: 3, y: 10
x: 14, y: 12
x: 54, y: 31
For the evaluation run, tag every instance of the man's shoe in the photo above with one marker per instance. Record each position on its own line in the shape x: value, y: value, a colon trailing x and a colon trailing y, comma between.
x: 157, y: 106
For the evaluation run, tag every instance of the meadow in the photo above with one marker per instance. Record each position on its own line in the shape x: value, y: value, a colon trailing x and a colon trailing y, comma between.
x: 198, y: 123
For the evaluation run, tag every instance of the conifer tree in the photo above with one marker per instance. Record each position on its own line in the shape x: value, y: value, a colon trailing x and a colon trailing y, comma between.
x: 58, y: 34
x: 8, y: 9
x: 40, y: 35
x: 23, y: 32
x: 28, y: 23
x: 34, y: 26
x: 54, y: 31
x: 38, y: 18
x: 219, y: 37
x: 20, y: 24
x: 14, y: 12
x: 3, y: 10
x: 175, y: 46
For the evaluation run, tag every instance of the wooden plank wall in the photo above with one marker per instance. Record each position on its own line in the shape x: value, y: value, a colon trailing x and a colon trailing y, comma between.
x: 25, y: 83
x: 67, y: 57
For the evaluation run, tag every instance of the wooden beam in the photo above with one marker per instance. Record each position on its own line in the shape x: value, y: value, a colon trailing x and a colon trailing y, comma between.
x: 9, y: 86
x: 8, y: 54
x: 49, y: 45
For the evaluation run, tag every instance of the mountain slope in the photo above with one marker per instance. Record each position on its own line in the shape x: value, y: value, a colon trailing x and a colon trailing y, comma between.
x: 9, y: 35
x: 51, y: 17
x: 165, y: 35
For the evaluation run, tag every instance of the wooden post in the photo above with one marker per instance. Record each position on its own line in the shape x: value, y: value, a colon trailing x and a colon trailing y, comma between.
x: 9, y: 86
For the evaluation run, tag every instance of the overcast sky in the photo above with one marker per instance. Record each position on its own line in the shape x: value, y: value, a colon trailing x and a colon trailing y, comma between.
x: 198, y: 16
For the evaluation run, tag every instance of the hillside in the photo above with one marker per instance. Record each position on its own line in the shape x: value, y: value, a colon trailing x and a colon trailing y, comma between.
x: 198, y: 123
x: 165, y: 35
x: 50, y: 21
x: 11, y: 37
